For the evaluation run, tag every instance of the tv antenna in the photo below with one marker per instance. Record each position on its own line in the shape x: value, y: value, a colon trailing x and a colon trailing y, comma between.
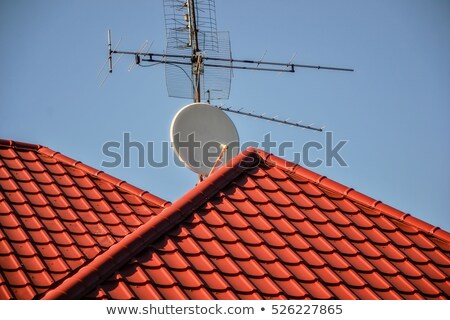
x: 198, y: 60
x: 199, y: 66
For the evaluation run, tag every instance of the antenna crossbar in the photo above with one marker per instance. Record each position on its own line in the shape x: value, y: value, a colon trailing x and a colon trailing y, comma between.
x: 232, y: 63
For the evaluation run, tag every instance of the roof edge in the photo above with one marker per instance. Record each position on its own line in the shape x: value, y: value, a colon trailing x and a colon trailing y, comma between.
x: 99, y: 269
x: 354, y: 195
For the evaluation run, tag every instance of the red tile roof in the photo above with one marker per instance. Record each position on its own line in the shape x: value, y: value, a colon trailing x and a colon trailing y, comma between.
x: 264, y: 228
x: 57, y: 215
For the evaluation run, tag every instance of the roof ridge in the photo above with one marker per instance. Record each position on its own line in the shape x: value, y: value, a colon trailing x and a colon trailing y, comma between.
x: 101, y: 267
x: 19, y: 145
x: 354, y: 195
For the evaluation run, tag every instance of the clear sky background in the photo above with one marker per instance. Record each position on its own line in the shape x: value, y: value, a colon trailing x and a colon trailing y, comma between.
x: 394, y: 109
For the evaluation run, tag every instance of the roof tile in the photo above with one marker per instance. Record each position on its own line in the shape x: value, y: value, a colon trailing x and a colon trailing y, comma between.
x: 301, y: 201
x: 359, y: 263
x: 342, y: 292
x: 336, y: 261
x: 236, y: 250
x: 306, y: 228
x: 292, y: 289
x: 269, y: 210
x: 288, y: 186
x: 344, y: 246
x: 388, y: 294
x: 433, y: 272
x: 223, y: 205
x: 267, y: 184
x: 161, y: 277
x: 235, y: 194
x: 421, y: 241
x: 5, y: 248
x: 240, y: 283
x: 226, y: 266
x: 399, y: 239
x: 391, y: 252
x: 263, y: 253
x: 189, y: 246
x: 327, y: 276
x: 415, y: 255
x: 346, y: 205
x: 215, y: 249
x: 439, y: 258
x: 9, y: 263
x: 425, y: 286
x: 366, y: 293
x: 50, y: 189
x: 187, y: 279
x: 293, y: 213
x: 248, y: 237
x: 175, y: 260
x: 384, y: 266
x: 145, y: 292
x: 9, y: 221
x: 284, y: 226
x: 259, y: 223
x: 376, y: 281
x: 213, y: 218
x: 408, y: 269
x: 352, y: 233
x: 266, y: 286
x: 279, y: 198
x: 246, y: 208
x: 402, y: 285
x: 298, y: 242
x: 376, y: 236
x: 251, y: 268
x: 201, y: 263
x: 339, y: 219
x: 276, y: 270
x: 317, y: 291
x: 368, y: 250
x: 257, y: 196
x: 320, y: 244
x: 236, y: 221
x: 273, y: 239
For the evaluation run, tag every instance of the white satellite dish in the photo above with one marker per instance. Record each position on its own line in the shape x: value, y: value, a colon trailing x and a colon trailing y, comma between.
x: 203, y: 137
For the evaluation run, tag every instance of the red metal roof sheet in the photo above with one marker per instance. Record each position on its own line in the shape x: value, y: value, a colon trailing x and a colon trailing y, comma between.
x: 260, y: 228
x: 57, y: 215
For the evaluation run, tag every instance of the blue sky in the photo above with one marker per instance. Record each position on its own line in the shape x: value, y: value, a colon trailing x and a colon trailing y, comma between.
x: 393, y: 110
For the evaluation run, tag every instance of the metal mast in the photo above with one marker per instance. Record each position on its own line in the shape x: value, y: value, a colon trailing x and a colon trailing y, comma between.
x: 197, y: 62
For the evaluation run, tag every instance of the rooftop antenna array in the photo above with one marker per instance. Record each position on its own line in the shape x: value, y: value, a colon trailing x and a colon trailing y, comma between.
x: 199, y: 65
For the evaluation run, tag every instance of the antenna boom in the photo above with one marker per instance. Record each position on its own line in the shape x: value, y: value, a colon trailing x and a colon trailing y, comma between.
x: 272, y: 119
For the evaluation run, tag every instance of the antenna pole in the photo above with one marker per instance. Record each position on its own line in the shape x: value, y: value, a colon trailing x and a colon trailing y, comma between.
x: 197, y: 61
x: 109, y: 52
